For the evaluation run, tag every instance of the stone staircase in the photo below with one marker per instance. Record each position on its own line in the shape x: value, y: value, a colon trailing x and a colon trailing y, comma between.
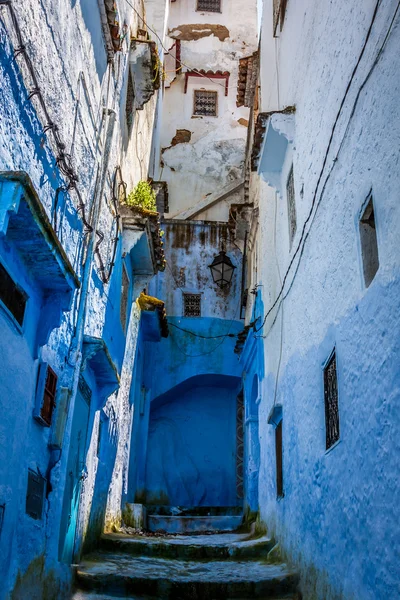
x: 196, y: 567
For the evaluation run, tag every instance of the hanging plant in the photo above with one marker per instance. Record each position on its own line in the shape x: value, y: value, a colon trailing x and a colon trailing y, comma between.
x: 142, y: 196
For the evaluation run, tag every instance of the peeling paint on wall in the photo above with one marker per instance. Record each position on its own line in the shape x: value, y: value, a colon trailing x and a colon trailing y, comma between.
x: 193, y: 32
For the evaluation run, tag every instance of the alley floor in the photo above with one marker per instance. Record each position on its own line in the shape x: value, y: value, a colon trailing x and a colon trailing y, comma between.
x: 220, y: 565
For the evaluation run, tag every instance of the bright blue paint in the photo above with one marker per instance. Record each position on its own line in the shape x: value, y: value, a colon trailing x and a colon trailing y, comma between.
x: 191, y: 457
x: 75, y: 468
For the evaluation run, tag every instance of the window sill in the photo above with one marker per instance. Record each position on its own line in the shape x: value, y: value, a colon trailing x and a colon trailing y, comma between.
x: 335, y: 445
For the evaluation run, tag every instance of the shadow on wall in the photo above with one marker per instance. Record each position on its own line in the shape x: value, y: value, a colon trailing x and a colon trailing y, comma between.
x: 191, y: 459
x: 106, y: 454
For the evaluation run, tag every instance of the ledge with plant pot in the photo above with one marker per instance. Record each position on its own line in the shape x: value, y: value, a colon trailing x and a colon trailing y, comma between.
x: 142, y: 235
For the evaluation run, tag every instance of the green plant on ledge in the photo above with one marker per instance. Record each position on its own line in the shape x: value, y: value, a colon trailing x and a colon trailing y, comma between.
x: 142, y: 196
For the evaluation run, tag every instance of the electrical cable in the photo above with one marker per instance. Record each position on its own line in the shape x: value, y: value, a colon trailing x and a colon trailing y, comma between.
x: 204, y: 337
x: 63, y: 159
x: 213, y: 349
x: 182, y: 64
x: 315, y: 204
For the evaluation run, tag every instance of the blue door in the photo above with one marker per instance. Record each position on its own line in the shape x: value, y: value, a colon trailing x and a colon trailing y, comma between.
x: 75, y: 472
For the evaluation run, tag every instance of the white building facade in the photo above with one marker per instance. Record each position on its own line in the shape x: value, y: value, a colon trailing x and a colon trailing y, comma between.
x: 323, y: 265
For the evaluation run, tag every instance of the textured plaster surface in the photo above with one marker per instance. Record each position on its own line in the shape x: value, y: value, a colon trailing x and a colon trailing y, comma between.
x: 65, y: 43
x: 214, y: 156
x: 339, y: 507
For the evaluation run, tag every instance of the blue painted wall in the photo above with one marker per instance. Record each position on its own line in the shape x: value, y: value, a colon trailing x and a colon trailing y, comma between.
x: 191, y: 378
x: 191, y: 459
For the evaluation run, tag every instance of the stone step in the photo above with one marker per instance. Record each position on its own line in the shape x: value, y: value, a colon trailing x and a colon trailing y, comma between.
x: 176, y: 579
x: 192, y: 524
x: 81, y: 595
x: 215, y: 546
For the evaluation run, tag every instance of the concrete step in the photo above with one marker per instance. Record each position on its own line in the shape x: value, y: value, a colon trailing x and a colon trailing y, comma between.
x: 121, y: 574
x: 192, y: 524
x: 216, y: 546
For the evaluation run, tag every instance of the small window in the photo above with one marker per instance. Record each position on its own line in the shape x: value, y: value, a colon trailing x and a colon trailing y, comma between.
x: 192, y: 305
x: 49, y: 396
x: 130, y: 103
x: 331, y: 402
x: 46, y: 389
x: 35, y: 495
x: 209, y: 5
x: 99, y: 436
x: 205, y: 103
x: 369, y: 243
x: 124, y: 298
x: 12, y: 296
x: 279, y: 11
x: 279, y: 459
x: 291, y: 200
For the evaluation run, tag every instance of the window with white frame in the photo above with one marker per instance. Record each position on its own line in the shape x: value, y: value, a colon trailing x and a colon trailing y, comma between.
x: 205, y: 103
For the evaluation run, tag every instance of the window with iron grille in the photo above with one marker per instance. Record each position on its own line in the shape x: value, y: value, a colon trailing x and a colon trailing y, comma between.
x: 35, y: 495
x: 192, y: 305
x: 130, y: 103
x: 49, y: 396
x: 331, y: 402
x: 279, y: 460
x: 205, y: 103
x: 209, y: 5
x: 369, y: 243
x: 123, y: 312
x: 12, y: 296
x: 291, y: 200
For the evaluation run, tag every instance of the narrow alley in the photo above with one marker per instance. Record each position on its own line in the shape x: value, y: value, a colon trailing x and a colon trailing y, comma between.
x: 199, y: 299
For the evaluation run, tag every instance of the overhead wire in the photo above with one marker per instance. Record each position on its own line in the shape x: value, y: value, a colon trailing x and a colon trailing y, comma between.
x: 304, y: 234
x: 193, y: 333
x: 182, y: 64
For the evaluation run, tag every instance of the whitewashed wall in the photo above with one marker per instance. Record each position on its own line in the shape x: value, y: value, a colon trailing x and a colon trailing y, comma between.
x: 338, y: 506
x: 214, y: 156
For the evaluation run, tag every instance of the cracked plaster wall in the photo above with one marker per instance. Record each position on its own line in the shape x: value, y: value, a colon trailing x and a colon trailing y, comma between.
x: 214, y: 156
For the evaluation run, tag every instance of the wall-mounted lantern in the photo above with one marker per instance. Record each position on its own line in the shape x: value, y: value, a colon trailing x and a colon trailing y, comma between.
x: 222, y: 269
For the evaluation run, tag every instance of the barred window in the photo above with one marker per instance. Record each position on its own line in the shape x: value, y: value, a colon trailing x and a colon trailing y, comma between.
x: 49, y: 396
x: 123, y: 313
x: 331, y: 402
x: 192, y: 305
x: 209, y: 5
x: 35, y: 495
x: 291, y: 200
x: 130, y: 103
x: 205, y: 103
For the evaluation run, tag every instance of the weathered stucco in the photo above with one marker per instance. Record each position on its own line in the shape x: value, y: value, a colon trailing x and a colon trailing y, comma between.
x: 338, y: 506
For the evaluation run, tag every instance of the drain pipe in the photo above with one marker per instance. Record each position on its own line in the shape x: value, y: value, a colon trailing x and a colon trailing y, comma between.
x: 76, y: 343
